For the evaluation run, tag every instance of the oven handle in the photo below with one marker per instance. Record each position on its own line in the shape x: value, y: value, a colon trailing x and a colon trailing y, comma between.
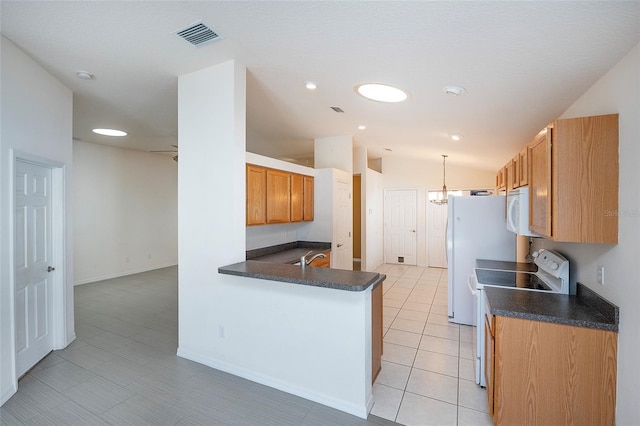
x: 471, y: 283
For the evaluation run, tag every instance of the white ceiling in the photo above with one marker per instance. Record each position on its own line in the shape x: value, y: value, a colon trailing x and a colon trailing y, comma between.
x: 522, y: 64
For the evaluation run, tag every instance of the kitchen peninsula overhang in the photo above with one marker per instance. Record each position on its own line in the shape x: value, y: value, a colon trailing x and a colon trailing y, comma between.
x: 338, y: 279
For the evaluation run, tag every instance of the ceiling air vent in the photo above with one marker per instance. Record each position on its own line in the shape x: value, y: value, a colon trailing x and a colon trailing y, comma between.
x: 198, y: 34
x: 337, y: 109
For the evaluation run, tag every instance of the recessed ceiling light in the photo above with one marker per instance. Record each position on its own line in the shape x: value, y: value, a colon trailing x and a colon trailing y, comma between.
x: 381, y: 92
x: 362, y: 127
x: 85, y: 75
x: 454, y: 90
x: 311, y: 85
x: 457, y: 137
x: 109, y: 132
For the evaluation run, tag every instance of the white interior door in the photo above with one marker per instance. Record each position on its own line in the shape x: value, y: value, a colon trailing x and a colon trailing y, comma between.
x: 400, y: 226
x: 343, y: 250
x: 33, y: 274
x: 437, y: 235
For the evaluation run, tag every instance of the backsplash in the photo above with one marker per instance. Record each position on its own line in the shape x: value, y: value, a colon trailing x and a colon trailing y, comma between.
x: 271, y: 235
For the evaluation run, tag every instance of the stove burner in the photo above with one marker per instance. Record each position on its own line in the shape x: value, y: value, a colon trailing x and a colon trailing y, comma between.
x: 511, y: 279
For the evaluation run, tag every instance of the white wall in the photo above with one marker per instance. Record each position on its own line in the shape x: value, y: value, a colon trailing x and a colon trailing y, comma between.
x: 333, y: 152
x: 372, y: 211
x: 249, y: 327
x: 36, y: 117
x: 125, y: 211
x: 617, y: 92
x: 321, y: 229
x: 423, y: 175
x: 374, y: 218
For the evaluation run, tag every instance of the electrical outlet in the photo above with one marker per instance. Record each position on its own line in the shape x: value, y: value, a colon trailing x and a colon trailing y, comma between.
x: 221, y: 331
x: 126, y: 259
x: 149, y: 256
x: 600, y: 274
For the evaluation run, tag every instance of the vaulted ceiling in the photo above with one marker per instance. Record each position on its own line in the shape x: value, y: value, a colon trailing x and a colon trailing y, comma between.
x: 521, y: 63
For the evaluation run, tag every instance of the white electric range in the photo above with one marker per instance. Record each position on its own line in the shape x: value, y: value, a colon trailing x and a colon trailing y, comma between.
x: 552, y: 276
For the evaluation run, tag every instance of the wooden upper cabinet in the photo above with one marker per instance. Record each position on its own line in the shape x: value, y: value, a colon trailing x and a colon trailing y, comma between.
x: 501, y: 182
x: 297, y: 198
x: 308, y: 203
x: 278, y: 196
x: 573, y: 180
x: 539, y: 153
x: 256, y: 195
x: 509, y: 175
x: 515, y: 181
x: 585, y: 179
x: 523, y: 165
x: 571, y: 168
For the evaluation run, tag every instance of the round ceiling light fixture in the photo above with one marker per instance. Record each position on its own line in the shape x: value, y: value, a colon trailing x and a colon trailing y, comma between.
x: 381, y: 92
x: 311, y: 85
x: 454, y: 90
x: 109, y: 132
x: 85, y: 75
x: 457, y: 137
x: 362, y: 127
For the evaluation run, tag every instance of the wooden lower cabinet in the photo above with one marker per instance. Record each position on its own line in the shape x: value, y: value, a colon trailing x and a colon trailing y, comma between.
x: 376, y: 331
x: 322, y: 262
x: 489, y: 365
x: 552, y: 374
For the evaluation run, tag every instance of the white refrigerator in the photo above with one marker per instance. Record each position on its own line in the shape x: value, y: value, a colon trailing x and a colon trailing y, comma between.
x: 476, y: 229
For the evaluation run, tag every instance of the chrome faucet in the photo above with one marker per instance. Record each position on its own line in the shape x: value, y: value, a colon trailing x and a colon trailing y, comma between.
x: 304, y: 261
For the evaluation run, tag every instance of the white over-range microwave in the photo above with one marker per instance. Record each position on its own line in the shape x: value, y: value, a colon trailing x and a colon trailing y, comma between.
x: 518, y: 212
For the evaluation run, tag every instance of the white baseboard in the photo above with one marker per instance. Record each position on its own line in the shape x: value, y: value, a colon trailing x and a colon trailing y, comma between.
x: 121, y: 274
x: 338, y: 404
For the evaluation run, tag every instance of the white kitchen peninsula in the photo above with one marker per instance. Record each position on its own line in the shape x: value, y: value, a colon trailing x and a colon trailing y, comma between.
x: 304, y: 331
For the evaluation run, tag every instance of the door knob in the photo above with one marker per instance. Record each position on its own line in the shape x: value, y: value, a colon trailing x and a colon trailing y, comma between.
x: 51, y: 268
x: 339, y: 245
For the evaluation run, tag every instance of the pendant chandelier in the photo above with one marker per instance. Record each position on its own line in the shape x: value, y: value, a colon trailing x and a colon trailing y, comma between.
x: 442, y: 198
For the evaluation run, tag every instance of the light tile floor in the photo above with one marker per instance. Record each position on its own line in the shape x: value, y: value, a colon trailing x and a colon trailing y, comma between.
x: 427, y: 375
x: 123, y: 370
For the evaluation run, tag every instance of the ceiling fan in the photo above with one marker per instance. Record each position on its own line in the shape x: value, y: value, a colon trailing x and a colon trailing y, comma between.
x: 175, y: 150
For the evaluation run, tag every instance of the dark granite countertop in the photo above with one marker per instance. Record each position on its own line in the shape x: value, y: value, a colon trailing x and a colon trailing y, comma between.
x: 287, y: 253
x: 506, y: 266
x: 585, y: 309
x: 317, y: 277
